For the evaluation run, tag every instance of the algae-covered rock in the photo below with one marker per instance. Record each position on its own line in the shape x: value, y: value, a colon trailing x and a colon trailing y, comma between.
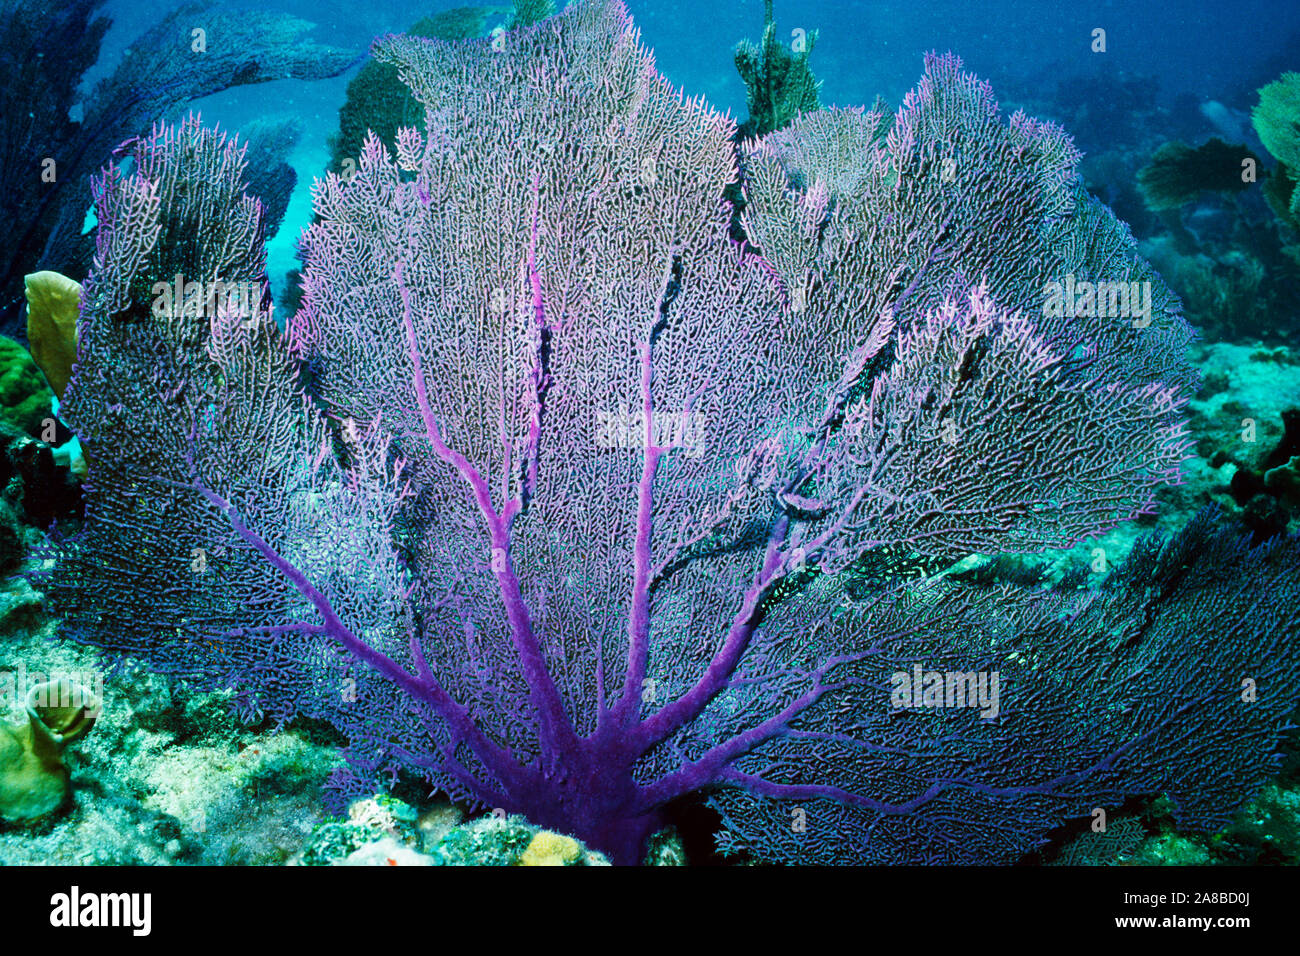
x: 490, y: 841
x: 434, y: 823
x: 32, y: 481
x: 383, y: 831
x: 1283, y: 481
x: 380, y: 819
x: 510, y: 841
x: 386, y: 851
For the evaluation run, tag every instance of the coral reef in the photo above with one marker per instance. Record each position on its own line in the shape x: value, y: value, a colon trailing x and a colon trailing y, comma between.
x: 384, y: 831
x: 1239, y: 421
x: 1274, y: 476
x: 1228, y: 293
x: 1235, y: 267
x: 369, y: 821
x: 414, y: 552
x: 26, y: 401
x: 510, y: 841
x: 551, y: 849
x: 1117, y: 843
x: 1266, y: 831
x: 168, y: 777
x: 1280, y: 191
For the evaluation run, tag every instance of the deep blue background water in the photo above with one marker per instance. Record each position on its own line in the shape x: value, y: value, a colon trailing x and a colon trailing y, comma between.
x: 1212, y: 49
x: 1032, y: 51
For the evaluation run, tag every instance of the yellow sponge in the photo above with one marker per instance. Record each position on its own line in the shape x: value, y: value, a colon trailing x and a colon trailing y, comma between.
x: 551, y: 849
x: 52, y: 304
x: 34, y: 781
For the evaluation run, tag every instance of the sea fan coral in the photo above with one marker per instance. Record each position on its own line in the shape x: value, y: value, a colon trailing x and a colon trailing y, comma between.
x: 565, y: 519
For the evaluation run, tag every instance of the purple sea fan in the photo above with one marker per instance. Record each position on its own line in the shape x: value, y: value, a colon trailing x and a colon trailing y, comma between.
x: 577, y: 539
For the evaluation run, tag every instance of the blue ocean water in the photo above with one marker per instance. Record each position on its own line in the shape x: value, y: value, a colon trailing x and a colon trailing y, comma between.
x: 1184, y: 54
x: 1209, y: 49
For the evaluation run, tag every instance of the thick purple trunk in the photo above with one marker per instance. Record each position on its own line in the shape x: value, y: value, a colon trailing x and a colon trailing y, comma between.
x: 624, y: 840
x: 591, y: 795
